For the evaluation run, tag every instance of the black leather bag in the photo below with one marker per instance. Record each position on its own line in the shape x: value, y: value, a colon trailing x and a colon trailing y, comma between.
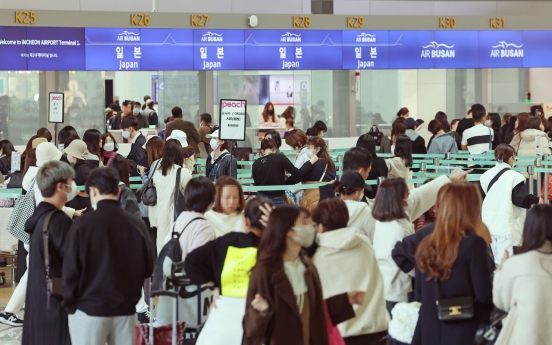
x: 376, y: 134
x: 54, y: 285
x: 148, y: 193
x: 179, y: 201
x: 455, y: 308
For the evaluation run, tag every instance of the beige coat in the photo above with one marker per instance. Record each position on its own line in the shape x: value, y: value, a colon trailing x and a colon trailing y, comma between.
x: 528, y: 145
x: 162, y: 214
x: 225, y: 223
x: 522, y: 288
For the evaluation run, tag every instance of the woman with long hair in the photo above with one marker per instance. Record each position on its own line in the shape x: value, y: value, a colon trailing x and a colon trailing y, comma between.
x: 164, y: 179
x: 534, y: 141
x: 127, y: 198
x: 505, y: 120
x: 109, y: 148
x: 317, y: 130
x: 496, y: 127
x: 268, y: 117
x: 520, y: 126
x: 284, y: 301
x: 454, y: 262
x: 220, y: 162
x: 522, y: 283
x: 6, y: 149
x: 505, y: 202
x: 289, y: 118
x: 401, y: 162
x: 387, y: 142
x: 93, y: 140
x: 227, y: 214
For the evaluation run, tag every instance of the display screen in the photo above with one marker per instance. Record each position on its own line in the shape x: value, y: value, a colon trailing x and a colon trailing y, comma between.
x: 120, y: 49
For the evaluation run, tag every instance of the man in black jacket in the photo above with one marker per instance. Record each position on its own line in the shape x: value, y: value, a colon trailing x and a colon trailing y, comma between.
x: 137, y: 154
x: 108, y: 256
x: 357, y: 159
x: 123, y: 112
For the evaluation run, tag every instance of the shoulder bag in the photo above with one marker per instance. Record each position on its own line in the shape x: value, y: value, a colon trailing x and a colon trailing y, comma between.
x: 376, y: 134
x: 179, y: 201
x: 454, y: 308
x: 209, y: 168
x: 23, y: 210
x: 53, y: 284
x: 148, y: 193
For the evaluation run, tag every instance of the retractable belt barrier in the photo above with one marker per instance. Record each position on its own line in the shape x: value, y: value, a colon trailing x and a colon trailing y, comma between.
x: 425, y: 167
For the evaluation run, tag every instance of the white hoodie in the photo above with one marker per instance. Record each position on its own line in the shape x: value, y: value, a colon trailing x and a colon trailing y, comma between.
x: 360, y: 217
x: 225, y: 223
x: 349, y: 247
x: 387, y: 234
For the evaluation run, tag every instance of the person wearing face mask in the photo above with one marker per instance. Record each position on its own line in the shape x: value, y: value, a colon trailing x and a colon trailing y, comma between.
x: 142, y: 119
x: 109, y: 148
x: 220, y: 162
x: 271, y: 168
x: 77, y: 154
x: 505, y: 201
x: 214, y: 263
x: 137, y: 154
x: 93, y: 140
x: 108, y: 256
x: 45, y: 318
x: 317, y: 130
x: 284, y: 302
x: 268, y: 117
x: 227, y: 213
x: 394, y: 209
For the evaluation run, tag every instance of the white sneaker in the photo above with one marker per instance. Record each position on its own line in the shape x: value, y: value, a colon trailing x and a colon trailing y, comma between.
x: 10, y: 319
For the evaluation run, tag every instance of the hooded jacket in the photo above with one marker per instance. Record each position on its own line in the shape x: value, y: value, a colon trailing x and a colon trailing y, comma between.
x: 338, y: 249
x: 528, y: 145
x: 500, y: 215
x: 522, y: 288
x: 360, y: 217
x: 443, y: 143
x: 397, y: 168
x: 225, y: 223
x: 418, y: 142
x: 387, y: 234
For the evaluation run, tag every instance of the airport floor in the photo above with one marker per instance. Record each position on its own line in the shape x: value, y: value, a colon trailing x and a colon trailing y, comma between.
x: 9, y: 335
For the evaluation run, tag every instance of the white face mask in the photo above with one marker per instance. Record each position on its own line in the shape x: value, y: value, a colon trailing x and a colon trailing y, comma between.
x: 321, y: 135
x: 126, y: 134
x: 488, y: 123
x: 360, y: 197
x: 309, y: 153
x: 214, y: 144
x: 304, y: 234
x: 109, y: 147
x: 73, y: 193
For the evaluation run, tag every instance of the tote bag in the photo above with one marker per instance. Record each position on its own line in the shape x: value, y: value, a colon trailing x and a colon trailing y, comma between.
x: 23, y: 210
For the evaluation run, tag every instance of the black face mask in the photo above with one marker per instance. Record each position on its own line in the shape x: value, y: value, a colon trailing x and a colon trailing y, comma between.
x: 271, y: 112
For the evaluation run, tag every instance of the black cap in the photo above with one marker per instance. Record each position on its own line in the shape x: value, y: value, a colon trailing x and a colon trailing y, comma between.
x: 352, y: 180
x: 410, y: 123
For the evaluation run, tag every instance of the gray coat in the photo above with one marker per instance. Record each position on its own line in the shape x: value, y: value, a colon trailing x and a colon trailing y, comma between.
x: 443, y: 143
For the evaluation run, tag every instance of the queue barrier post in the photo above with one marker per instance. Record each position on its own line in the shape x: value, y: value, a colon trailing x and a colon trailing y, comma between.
x: 436, y: 161
x: 447, y: 156
x: 339, y: 160
x: 530, y: 171
x: 380, y: 180
x: 538, y: 164
x: 423, y: 166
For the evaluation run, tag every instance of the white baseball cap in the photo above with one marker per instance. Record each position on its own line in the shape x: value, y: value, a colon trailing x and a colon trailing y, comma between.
x: 215, y: 135
x: 180, y: 136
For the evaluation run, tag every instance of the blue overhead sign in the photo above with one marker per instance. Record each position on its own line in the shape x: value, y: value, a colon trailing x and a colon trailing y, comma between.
x: 133, y: 49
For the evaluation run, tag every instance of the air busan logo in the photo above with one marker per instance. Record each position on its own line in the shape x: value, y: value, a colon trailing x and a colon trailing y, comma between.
x: 438, y: 50
x: 366, y: 38
x: 211, y: 37
x: 128, y: 36
x: 504, y: 49
x: 291, y: 38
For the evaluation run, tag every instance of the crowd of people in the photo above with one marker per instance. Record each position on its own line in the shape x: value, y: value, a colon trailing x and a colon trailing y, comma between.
x: 333, y: 264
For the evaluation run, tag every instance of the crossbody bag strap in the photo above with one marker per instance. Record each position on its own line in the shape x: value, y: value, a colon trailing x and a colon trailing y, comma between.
x: 190, y: 222
x: 177, y: 185
x: 490, y: 140
x: 493, y: 181
x: 324, y: 173
x: 45, y: 240
x: 215, y: 163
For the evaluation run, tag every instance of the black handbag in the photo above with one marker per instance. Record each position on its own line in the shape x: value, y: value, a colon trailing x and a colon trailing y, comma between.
x: 148, y: 193
x: 454, y: 308
x: 376, y: 134
x: 179, y: 201
x: 53, y: 284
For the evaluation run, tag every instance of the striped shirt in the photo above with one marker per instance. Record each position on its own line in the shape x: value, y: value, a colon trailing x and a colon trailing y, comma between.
x: 478, y: 139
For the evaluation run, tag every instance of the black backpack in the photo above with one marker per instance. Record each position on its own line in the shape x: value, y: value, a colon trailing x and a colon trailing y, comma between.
x: 171, y: 250
x: 16, y: 179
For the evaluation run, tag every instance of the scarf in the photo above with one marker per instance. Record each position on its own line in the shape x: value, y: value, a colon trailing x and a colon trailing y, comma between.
x: 109, y: 156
